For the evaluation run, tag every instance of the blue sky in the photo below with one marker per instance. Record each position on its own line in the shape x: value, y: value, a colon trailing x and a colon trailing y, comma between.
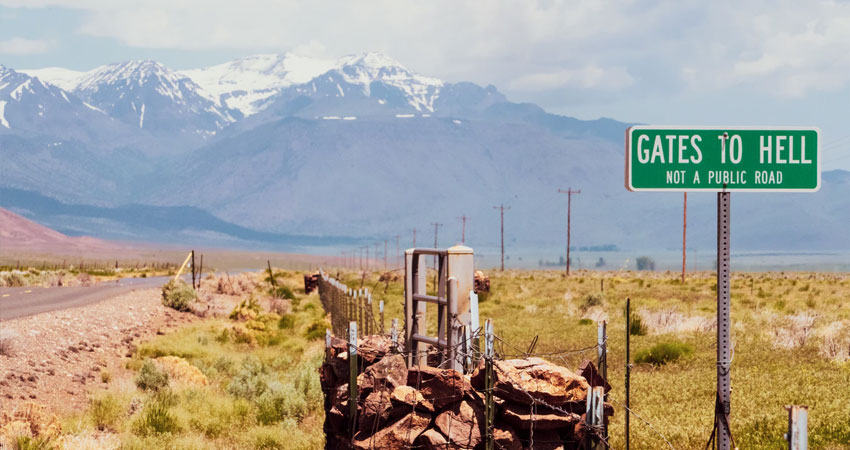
x: 665, y: 62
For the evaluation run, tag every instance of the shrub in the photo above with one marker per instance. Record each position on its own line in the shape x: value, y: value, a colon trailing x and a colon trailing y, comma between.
x: 282, y: 292
x: 636, y: 325
x: 151, y: 377
x: 248, y: 309
x: 645, y: 263
x: 177, y: 295
x: 585, y: 322
x: 155, y: 419
x: 251, y: 381
x: 13, y: 280
x: 105, y: 411
x: 7, y: 342
x: 316, y: 330
x: 593, y: 300
x: 32, y: 443
x: 105, y: 376
x: 664, y: 352
x: 286, y: 322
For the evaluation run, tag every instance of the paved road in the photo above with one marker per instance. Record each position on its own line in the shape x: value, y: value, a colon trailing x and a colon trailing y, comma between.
x: 26, y: 301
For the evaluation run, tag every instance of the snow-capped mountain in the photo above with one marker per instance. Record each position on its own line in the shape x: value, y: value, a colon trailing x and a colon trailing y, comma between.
x: 152, y: 97
x: 247, y: 83
x: 30, y: 106
x: 66, y: 79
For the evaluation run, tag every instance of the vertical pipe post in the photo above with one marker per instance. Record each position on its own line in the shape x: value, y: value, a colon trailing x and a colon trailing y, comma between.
x: 798, y: 433
x: 684, y: 236
x: 352, y: 378
x: 489, y: 382
x: 408, y: 303
x: 603, y: 364
x: 628, y: 364
x: 394, y: 333
x: 381, y: 311
x: 193, y: 269
x: 475, y: 344
x: 453, y: 335
x: 724, y: 346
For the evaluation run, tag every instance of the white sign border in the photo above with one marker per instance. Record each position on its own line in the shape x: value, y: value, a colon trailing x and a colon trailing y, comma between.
x: 628, y: 176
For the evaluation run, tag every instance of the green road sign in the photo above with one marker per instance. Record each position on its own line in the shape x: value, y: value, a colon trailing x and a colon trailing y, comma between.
x: 690, y: 158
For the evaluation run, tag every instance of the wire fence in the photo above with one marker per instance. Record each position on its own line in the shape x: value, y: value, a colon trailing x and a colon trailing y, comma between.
x: 351, y: 310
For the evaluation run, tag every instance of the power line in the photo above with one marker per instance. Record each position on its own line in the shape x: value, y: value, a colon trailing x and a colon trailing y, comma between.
x: 463, y: 229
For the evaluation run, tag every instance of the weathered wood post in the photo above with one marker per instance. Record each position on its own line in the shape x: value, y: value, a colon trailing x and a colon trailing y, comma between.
x: 798, y: 433
x: 193, y: 269
x: 489, y: 382
x: 327, y: 345
x: 352, y: 378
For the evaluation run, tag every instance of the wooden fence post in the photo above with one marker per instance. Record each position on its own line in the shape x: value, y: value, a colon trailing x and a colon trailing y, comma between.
x: 352, y: 378
x: 489, y: 382
x: 798, y: 433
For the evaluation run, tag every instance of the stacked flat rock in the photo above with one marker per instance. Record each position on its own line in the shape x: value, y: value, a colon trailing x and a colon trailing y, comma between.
x: 430, y: 408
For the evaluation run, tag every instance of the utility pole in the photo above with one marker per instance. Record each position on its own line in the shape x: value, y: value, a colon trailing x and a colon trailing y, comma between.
x: 377, y: 252
x: 684, y: 236
x: 385, y: 254
x: 569, y: 193
x: 463, y: 229
x: 361, y: 258
x: 397, y: 240
x: 502, y: 209
x: 437, y: 225
x: 414, y: 238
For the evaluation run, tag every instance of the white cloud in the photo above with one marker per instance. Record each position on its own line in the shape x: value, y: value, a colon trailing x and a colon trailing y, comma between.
x: 587, y: 77
x: 23, y: 46
x: 784, y: 48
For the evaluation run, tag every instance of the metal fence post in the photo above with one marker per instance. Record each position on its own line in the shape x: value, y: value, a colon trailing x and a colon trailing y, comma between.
x: 628, y: 364
x: 453, y: 336
x: 602, y: 337
x: 352, y: 378
x: 798, y: 433
x: 394, y: 333
x: 327, y: 345
x: 489, y: 382
x: 381, y: 310
x: 408, y: 304
x: 474, y: 324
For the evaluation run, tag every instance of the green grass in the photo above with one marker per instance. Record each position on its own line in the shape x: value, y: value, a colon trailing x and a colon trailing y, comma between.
x: 263, y: 389
x: 678, y: 398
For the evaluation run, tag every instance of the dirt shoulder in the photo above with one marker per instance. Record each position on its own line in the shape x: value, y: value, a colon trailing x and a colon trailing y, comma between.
x: 57, y: 357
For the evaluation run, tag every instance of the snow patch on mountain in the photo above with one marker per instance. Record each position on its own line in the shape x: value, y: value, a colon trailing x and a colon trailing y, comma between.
x: 247, y: 83
x: 66, y: 79
x: 3, y: 120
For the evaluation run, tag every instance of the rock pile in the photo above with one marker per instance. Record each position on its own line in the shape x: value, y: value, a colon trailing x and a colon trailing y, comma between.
x: 311, y: 282
x: 424, y: 407
x: 481, y: 282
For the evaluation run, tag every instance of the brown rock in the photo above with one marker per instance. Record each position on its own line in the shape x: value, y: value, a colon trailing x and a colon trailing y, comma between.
x: 520, y: 417
x: 373, y: 347
x: 432, y: 439
x: 440, y: 386
x: 387, y: 374
x: 327, y: 377
x: 463, y: 424
x: 406, y: 395
x: 375, y: 412
x: 593, y: 377
x: 506, y: 438
x: 521, y: 380
x: 548, y: 440
x: 401, y: 434
x: 339, y: 364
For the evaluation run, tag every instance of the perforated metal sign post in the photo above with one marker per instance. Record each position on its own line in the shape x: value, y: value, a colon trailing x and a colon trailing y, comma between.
x: 723, y: 159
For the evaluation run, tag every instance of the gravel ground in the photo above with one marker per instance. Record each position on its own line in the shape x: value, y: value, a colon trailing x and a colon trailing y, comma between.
x: 57, y: 357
